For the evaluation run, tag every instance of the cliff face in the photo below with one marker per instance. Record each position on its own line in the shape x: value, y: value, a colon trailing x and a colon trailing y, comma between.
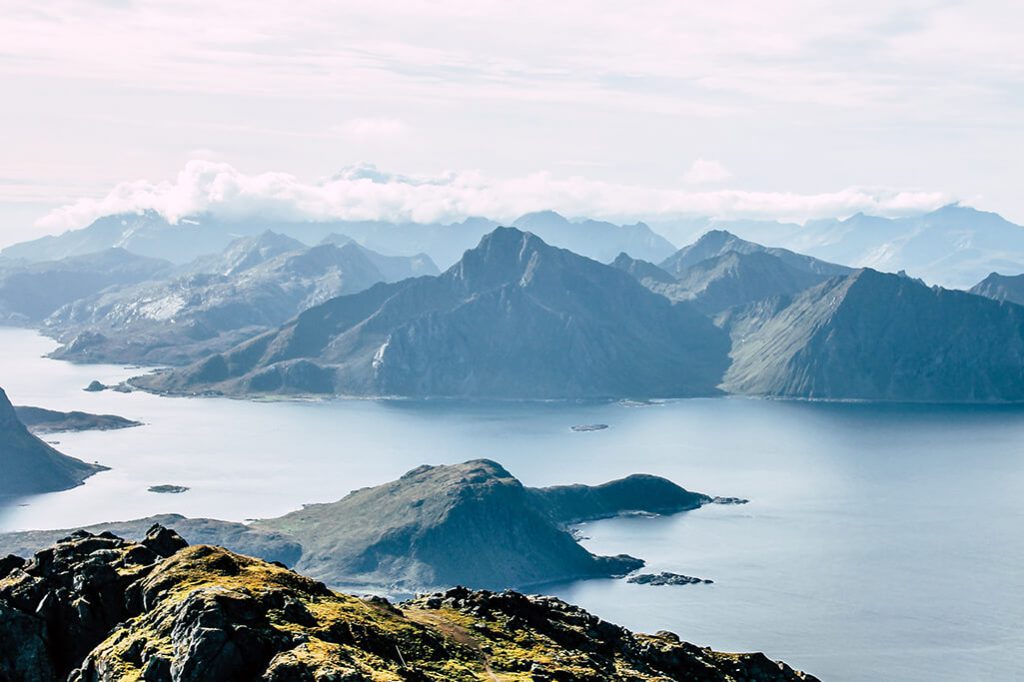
x: 28, y: 465
x: 875, y: 336
x: 99, y: 608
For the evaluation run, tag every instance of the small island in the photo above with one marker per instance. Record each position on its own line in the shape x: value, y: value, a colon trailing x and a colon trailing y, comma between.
x: 39, y: 420
x: 168, y: 489
x: 95, y: 387
x: 666, y: 578
x: 589, y: 427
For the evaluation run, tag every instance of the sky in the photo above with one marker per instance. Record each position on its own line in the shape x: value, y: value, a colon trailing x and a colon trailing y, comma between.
x: 434, y: 110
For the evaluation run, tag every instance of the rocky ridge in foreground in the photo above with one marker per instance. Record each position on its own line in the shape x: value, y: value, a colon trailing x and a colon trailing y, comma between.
x: 99, y: 608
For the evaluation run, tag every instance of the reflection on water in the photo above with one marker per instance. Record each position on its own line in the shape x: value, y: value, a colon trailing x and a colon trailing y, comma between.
x: 881, y: 542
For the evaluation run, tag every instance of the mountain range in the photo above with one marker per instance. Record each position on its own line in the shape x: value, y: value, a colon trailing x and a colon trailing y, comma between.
x: 514, y: 318
x: 954, y: 246
x: 29, y: 292
x: 217, y: 301
x: 150, y: 234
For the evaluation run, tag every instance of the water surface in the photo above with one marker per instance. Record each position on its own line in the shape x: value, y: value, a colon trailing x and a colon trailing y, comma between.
x: 881, y: 542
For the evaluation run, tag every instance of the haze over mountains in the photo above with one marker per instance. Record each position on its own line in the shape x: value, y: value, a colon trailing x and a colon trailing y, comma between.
x: 150, y: 234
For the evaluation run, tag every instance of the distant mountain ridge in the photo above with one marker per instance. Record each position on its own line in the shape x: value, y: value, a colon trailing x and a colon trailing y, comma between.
x: 515, y: 318
x: 720, y: 271
x: 255, y: 284
x: 954, y: 246
x: 150, y: 234
x: 29, y: 292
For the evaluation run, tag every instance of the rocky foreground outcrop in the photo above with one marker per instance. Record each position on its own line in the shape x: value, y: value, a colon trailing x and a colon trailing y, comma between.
x: 97, y: 607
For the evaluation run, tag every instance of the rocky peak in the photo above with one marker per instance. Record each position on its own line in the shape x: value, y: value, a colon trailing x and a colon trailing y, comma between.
x: 96, y: 608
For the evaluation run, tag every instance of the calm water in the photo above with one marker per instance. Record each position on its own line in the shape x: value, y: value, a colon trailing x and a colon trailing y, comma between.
x: 881, y: 542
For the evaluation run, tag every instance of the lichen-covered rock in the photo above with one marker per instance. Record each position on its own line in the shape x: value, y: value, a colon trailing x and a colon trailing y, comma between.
x: 96, y: 608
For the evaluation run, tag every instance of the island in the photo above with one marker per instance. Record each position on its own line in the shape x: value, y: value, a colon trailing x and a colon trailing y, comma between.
x: 40, y: 420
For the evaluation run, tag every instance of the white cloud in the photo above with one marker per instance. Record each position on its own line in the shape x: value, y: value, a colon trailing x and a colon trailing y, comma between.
x: 365, y: 193
x: 704, y: 172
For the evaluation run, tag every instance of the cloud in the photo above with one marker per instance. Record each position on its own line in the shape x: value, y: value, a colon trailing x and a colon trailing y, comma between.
x: 704, y: 172
x: 374, y: 127
x: 365, y: 193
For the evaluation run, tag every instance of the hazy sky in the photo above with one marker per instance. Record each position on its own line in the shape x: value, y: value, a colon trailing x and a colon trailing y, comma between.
x: 785, y: 109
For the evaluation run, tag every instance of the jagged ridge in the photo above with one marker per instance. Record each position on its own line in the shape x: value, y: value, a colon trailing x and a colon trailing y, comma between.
x: 99, y: 608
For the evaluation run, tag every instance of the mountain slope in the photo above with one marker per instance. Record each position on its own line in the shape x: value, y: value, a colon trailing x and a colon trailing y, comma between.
x: 466, y: 524
x: 29, y: 465
x: 1001, y: 288
x: 98, y: 608
x: 515, y: 318
x: 254, y: 285
x: 31, y: 291
x: 874, y: 336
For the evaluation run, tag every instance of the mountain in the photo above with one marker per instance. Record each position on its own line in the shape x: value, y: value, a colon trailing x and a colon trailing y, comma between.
x: 31, y: 291
x: 467, y: 524
x: 954, y: 246
x: 245, y: 253
x: 1001, y: 288
x: 874, y: 336
x: 150, y: 234
x: 256, y: 284
x: 596, y: 239
x: 730, y: 278
x: 98, y: 608
x: 29, y: 465
x: 515, y: 318
x: 393, y: 268
x: 643, y: 271
x: 720, y: 242
x: 736, y: 278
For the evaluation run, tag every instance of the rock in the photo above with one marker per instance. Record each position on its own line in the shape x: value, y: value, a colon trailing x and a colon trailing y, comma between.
x: 729, y: 500
x: 163, y: 541
x: 666, y: 578
x: 95, y: 387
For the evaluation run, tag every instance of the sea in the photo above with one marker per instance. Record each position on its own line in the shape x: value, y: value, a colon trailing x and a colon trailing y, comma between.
x: 881, y: 541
